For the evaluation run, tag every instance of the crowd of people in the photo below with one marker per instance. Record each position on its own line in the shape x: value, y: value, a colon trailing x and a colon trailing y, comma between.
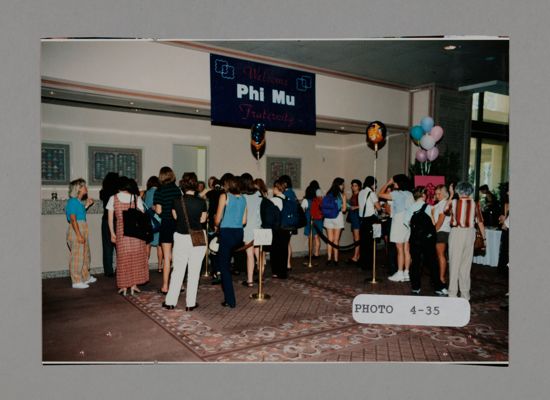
x: 231, y: 208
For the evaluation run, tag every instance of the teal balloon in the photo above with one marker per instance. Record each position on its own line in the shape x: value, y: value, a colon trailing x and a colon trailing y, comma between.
x: 427, y: 123
x: 417, y: 132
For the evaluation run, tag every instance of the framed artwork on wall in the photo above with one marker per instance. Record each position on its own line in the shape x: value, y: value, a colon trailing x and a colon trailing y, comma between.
x: 55, y: 164
x: 124, y: 161
x: 277, y: 166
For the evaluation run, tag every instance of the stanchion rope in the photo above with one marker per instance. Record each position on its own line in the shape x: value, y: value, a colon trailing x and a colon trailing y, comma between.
x: 334, y: 245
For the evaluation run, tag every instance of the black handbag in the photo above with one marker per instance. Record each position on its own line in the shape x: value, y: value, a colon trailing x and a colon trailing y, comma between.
x: 137, y: 224
x: 479, y: 243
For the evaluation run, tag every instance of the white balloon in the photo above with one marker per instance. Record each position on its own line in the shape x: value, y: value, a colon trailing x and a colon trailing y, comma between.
x: 427, y: 142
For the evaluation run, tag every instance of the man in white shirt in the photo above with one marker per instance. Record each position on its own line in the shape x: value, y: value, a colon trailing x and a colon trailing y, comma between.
x: 368, y: 204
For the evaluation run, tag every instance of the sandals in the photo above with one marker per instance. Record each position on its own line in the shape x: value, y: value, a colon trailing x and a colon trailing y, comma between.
x: 134, y: 289
x: 248, y: 284
x: 122, y: 292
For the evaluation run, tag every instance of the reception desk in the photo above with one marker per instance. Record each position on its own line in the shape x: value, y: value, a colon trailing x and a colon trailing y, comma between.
x: 493, y: 248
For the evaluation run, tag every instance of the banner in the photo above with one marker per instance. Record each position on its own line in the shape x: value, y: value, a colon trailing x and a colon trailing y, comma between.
x: 243, y: 93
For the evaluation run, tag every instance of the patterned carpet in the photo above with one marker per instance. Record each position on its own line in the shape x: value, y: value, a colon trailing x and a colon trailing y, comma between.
x: 309, y: 319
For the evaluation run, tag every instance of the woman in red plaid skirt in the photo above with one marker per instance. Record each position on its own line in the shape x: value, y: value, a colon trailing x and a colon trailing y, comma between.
x: 132, y: 267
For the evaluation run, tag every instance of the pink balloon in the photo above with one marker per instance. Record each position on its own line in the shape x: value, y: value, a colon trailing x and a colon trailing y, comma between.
x: 436, y: 133
x: 432, y: 153
x: 421, y: 155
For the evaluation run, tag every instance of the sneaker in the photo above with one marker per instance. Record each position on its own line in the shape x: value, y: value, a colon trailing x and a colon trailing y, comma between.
x: 415, y: 292
x: 442, y: 292
x: 216, y: 281
x: 80, y: 285
x: 91, y: 279
x: 397, y: 277
x: 406, y: 277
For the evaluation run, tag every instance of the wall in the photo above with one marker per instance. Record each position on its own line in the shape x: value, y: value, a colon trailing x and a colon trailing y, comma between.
x: 324, y: 157
x: 167, y: 70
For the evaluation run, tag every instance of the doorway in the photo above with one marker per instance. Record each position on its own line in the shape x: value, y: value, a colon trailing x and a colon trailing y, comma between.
x: 188, y: 158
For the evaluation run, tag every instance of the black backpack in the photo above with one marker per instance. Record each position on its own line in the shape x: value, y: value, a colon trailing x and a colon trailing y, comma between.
x: 270, y: 214
x: 422, y: 227
x: 292, y: 214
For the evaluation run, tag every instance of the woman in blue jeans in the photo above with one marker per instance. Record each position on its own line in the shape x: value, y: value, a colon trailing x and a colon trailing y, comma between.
x: 230, y: 219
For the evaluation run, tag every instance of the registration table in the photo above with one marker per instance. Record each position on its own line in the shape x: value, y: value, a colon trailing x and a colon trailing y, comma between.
x: 493, y: 248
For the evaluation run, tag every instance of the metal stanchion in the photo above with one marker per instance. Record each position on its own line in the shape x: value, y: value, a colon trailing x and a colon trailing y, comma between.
x: 260, y: 295
x: 310, y: 242
x: 207, y: 253
x: 373, y: 261
x: 206, y: 262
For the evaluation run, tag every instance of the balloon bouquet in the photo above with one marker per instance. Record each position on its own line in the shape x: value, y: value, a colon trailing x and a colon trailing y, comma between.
x: 426, y: 135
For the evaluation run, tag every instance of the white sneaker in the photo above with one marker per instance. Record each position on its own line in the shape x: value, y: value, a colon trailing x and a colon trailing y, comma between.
x: 397, y: 277
x: 406, y: 277
x: 442, y: 292
x: 80, y: 285
x: 91, y: 279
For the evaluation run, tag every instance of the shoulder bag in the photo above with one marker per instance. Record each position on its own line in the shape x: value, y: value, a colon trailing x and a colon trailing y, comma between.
x: 197, y: 235
x: 136, y: 223
x: 479, y: 243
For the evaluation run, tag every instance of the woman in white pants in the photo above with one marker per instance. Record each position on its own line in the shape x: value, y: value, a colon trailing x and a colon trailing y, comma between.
x: 184, y: 253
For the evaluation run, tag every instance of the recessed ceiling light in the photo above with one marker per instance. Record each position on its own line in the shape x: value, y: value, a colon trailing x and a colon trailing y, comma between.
x: 52, y: 92
x: 450, y: 47
x: 131, y: 103
x: 197, y: 110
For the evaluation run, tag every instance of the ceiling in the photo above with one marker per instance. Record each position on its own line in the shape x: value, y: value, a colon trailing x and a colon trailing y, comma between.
x: 410, y: 63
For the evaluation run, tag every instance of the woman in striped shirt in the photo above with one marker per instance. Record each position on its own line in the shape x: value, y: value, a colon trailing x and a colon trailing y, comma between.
x: 465, y: 212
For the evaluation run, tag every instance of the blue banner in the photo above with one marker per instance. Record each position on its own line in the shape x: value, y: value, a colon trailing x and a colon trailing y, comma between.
x: 244, y: 93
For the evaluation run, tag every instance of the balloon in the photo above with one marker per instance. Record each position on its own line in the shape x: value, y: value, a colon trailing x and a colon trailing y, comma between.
x: 427, y: 142
x: 416, y: 132
x: 257, y: 140
x: 427, y: 124
x: 421, y: 155
x: 376, y: 146
x: 432, y: 153
x: 376, y: 132
x: 436, y: 133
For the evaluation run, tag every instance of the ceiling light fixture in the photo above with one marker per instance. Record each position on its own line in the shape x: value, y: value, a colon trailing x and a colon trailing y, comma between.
x: 197, y: 110
x: 342, y: 127
x: 52, y: 92
x: 449, y: 47
x: 131, y: 103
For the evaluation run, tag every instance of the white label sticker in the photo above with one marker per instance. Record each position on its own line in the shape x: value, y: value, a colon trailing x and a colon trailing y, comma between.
x: 262, y: 237
x: 411, y: 310
x: 376, y: 231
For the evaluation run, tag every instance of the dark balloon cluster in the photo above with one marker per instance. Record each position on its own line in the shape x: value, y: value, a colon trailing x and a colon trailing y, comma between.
x: 257, y: 140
